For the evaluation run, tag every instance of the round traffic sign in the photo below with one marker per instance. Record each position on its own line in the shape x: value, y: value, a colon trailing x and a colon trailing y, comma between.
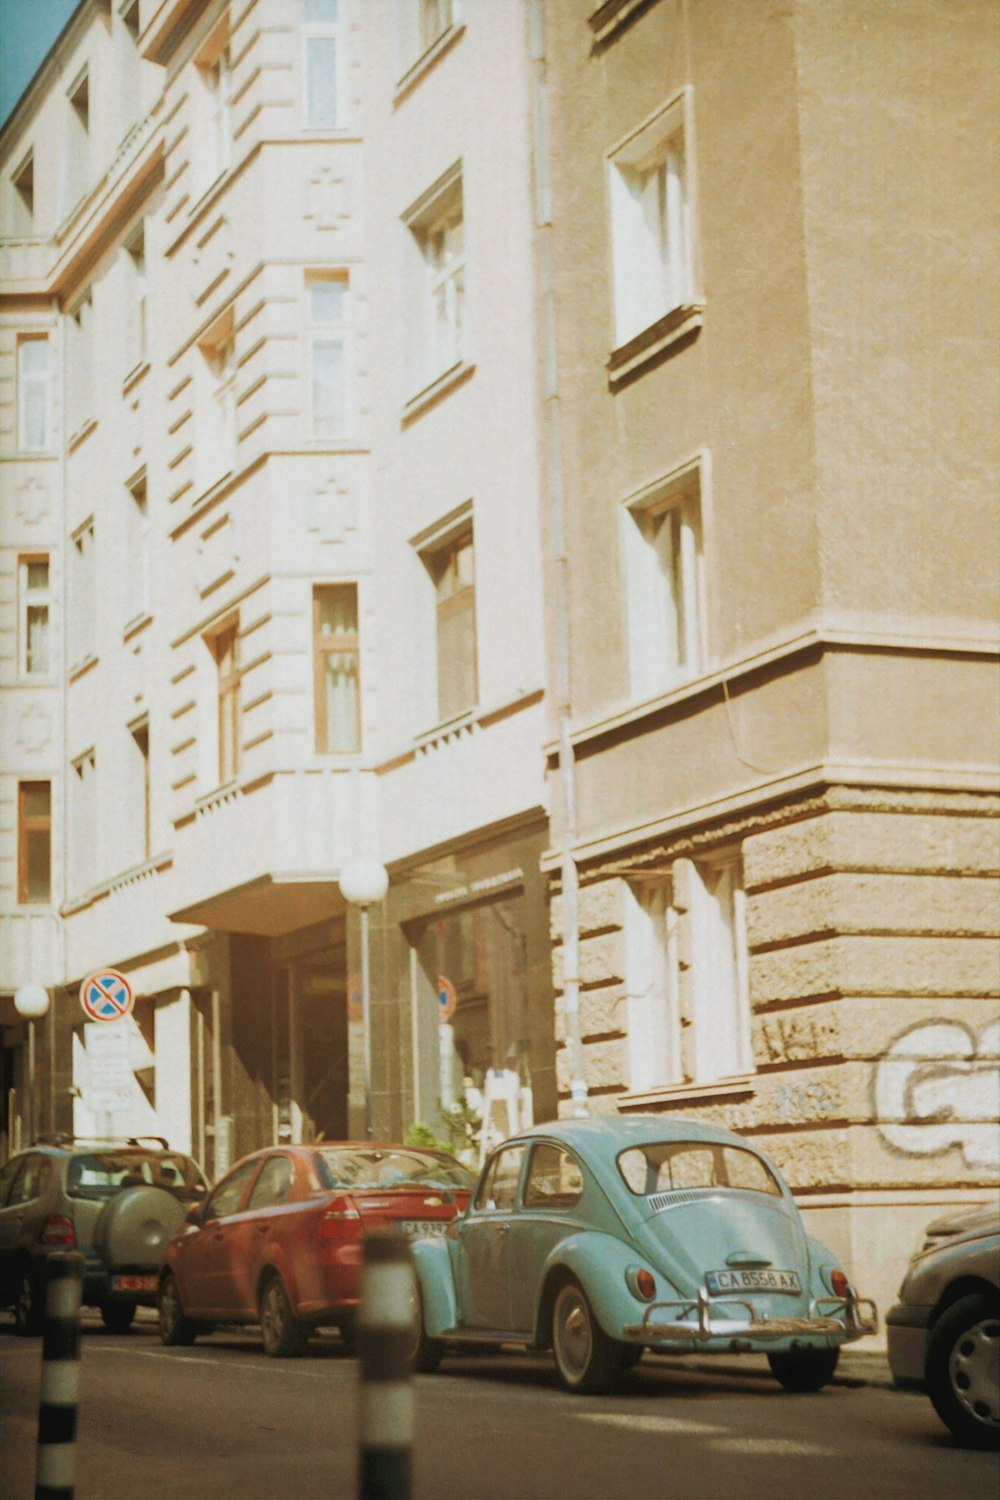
x: 447, y: 999
x: 106, y: 996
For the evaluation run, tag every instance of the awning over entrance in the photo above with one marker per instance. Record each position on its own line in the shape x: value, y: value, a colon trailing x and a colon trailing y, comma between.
x: 268, y: 906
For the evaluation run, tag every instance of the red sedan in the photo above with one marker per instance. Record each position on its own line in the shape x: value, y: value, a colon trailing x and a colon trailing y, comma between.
x: 278, y: 1241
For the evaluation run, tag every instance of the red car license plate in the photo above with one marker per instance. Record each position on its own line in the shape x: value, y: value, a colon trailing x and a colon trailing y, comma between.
x: 418, y: 1229
x: 133, y: 1283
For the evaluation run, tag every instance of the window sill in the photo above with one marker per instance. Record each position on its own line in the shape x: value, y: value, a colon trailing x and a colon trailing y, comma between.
x: 78, y: 668
x: 137, y: 373
x: 629, y: 359
x: 611, y: 17
x: 426, y: 61
x: 719, y: 1090
x: 452, y: 378
x: 138, y: 622
x: 81, y: 433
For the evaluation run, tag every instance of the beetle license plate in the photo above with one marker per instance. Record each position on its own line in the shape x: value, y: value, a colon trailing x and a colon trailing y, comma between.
x: 133, y: 1283
x: 418, y: 1229
x: 753, y: 1281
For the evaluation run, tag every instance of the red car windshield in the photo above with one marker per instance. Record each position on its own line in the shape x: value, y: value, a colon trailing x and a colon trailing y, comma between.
x: 101, y: 1174
x: 380, y: 1169
x: 665, y: 1166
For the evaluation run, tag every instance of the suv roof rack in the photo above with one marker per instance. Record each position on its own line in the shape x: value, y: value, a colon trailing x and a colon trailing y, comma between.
x: 63, y: 1138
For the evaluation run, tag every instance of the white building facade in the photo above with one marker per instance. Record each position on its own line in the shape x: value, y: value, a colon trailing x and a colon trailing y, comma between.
x: 271, y: 566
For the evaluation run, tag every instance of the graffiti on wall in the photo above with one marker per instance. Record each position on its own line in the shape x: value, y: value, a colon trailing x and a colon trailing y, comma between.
x: 938, y: 1087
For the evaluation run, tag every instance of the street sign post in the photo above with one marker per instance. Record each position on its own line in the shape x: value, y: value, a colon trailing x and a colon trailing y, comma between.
x: 106, y: 996
x: 109, y: 1070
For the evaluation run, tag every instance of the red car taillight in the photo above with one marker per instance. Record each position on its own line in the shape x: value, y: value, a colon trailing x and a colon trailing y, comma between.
x: 58, y: 1230
x: 339, y: 1220
x: 839, y: 1284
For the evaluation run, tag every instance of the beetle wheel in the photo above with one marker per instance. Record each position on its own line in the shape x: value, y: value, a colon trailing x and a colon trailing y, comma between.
x: 588, y: 1361
x: 427, y: 1352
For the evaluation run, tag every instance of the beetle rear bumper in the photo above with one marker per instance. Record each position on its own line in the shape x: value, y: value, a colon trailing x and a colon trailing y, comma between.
x: 852, y: 1319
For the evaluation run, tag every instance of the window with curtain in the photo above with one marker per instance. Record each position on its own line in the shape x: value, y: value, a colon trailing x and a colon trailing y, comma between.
x: 225, y: 647
x: 336, y: 666
x: 33, y: 393
x: 663, y: 555
x: 452, y: 568
x: 321, y: 54
x: 327, y: 312
x: 34, y: 600
x: 34, y: 842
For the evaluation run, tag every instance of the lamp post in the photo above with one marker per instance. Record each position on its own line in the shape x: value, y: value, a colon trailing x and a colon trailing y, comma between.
x: 32, y: 1002
x: 363, y: 883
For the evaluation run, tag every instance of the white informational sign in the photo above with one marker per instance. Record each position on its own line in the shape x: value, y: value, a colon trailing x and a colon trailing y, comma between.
x: 109, y: 1070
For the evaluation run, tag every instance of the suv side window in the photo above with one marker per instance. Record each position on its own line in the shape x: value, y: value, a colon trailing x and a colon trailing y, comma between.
x: 32, y: 1180
x: 274, y: 1185
x: 8, y: 1172
x: 228, y: 1195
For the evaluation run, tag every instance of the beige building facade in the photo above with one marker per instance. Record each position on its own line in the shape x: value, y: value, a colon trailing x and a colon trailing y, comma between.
x: 771, y: 401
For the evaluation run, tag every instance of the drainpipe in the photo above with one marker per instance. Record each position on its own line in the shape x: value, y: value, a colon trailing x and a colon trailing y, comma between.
x: 555, y: 504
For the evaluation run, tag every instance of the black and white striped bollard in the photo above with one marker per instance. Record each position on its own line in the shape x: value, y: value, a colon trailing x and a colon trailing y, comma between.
x: 60, y: 1377
x: 385, y: 1348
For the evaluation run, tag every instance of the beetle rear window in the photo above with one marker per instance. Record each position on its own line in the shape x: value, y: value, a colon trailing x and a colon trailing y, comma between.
x: 666, y: 1166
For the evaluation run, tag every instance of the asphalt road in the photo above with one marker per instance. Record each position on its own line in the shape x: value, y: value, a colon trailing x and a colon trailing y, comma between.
x: 221, y: 1421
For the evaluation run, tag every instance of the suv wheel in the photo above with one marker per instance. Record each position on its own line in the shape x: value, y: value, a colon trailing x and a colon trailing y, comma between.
x: 118, y: 1316
x: 28, y: 1308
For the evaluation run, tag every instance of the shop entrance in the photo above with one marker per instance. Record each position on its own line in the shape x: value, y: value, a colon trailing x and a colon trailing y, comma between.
x: 318, y: 1051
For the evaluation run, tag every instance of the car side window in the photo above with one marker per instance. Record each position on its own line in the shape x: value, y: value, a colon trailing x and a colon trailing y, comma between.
x: 498, y: 1189
x: 228, y: 1195
x: 274, y: 1185
x: 554, y: 1179
x: 8, y: 1172
x: 32, y: 1180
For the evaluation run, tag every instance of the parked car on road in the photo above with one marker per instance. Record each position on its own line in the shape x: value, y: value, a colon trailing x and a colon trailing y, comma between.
x: 600, y: 1238
x: 944, y: 1331
x: 116, y: 1202
x: 278, y: 1242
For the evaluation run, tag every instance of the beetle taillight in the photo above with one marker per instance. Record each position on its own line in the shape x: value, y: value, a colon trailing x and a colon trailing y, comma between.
x: 339, y: 1220
x: 58, y: 1231
x: 645, y: 1285
x: 839, y: 1284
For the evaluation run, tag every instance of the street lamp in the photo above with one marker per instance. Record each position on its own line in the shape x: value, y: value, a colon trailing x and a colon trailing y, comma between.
x: 363, y: 883
x: 32, y: 1002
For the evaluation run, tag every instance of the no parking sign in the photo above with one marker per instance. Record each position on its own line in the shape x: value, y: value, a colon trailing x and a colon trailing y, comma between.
x: 447, y: 998
x: 106, y: 996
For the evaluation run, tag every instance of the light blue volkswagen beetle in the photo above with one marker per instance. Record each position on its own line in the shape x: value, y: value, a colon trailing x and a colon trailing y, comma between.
x: 601, y: 1238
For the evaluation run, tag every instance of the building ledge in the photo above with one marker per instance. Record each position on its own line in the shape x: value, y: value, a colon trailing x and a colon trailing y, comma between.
x: 452, y: 378
x: 268, y: 905
x: 426, y: 61
x: 695, y: 1095
x: 608, y: 19
x: 675, y: 328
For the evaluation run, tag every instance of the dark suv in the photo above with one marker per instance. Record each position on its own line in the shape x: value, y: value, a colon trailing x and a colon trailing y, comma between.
x: 116, y: 1202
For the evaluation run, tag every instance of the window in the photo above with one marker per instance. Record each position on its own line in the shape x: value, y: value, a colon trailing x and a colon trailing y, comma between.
x: 217, y: 415
x: 336, y: 668
x: 74, y: 155
x: 663, y: 559
x: 80, y: 372
x: 321, y: 63
x: 720, y: 991
x: 327, y: 313
x: 274, y: 1185
x: 212, y: 107
x: 130, y: 19
x: 225, y: 646
x: 33, y: 393
x: 499, y: 1186
x: 134, y: 301
x: 83, y: 821
x: 554, y: 1179
x: 23, y: 181
x: 83, y: 593
x: 436, y: 16
x: 135, y: 577
x: 654, y: 1024
x: 651, y: 224
x: 79, y: 98
x: 451, y: 567
x: 33, y: 601
x: 139, y: 820
x: 34, y: 842
x: 437, y: 227
x: 228, y: 1196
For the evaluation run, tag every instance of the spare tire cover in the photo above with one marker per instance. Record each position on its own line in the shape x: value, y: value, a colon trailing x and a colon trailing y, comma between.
x: 134, y: 1227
